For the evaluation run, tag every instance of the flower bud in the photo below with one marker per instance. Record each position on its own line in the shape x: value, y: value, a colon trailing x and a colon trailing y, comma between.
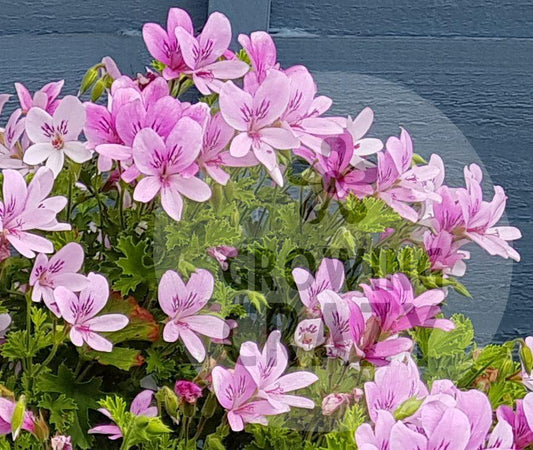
x: 333, y: 402
x: 98, y: 90
x: 407, y: 408
x: 526, y: 357
x: 187, y: 391
x: 17, y: 419
x: 210, y: 406
x: 41, y: 430
x: 88, y: 80
x: 170, y: 402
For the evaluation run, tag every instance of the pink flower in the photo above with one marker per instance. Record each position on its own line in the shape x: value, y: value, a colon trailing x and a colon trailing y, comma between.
x: 7, y: 408
x: 181, y: 302
x: 169, y: 168
x: 522, y: 432
x: 377, y: 438
x: 60, y: 270
x: 444, y: 253
x: 188, y: 391
x: 394, y: 304
x: 256, y: 119
x: 398, y: 184
x: 303, y: 111
x: 45, y: 98
x: 235, y: 390
x: 24, y: 208
x: 351, y: 337
x: 163, y: 44
x: 57, y: 136
x: 480, y: 217
x: 261, y: 50
x: 140, y: 406
x: 61, y: 442
x: 267, y: 367
x: 340, y: 177
x: 223, y: 253
x: 201, y: 54
x: 214, y: 156
x: 358, y: 128
x: 11, y: 149
x: 80, y: 312
x: 393, y: 385
x: 309, y: 334
x: 330, y: 275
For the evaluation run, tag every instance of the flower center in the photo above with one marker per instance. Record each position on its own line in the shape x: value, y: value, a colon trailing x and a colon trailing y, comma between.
x: 58, y: 142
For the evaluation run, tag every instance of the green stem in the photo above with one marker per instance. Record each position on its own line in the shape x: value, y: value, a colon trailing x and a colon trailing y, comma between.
x: 29, y: 359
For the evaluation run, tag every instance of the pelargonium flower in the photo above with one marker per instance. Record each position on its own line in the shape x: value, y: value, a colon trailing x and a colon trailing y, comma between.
x: 352, y: 337
x: 235, y: 390
x: 61, y: 442
x: 24, y: 208
x: 523, y: 433
x: 169, y: 168
x: 182, y: 302
x: 45, y: 98
x: 60, y: 270
x: 11, y: 148
x: 465, y: 214
x: 214, y: 154
x: 330, y: 275
x: 393, y: 302
x: 201, y: 54
x: 223, y: 253
x: 444, y: 253
x: 163, y: 44
x: 256, y: 119
x: 188, y: 391
x: 309, y: 334
x: 267, y: 367
x: 333, y: 402
x: 140, y: 406
x: 340, y: 177
x: 304, y: 109
x: 358, y: 128
x: 398, y: 184
x: 55, y: 136
x: 261, y: 50
x: 80, y: 311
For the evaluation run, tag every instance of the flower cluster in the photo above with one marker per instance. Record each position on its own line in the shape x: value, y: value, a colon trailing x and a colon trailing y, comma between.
x: 104, y: 301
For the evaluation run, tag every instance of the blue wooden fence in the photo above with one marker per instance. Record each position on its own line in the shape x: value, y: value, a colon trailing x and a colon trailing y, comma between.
x: 457, y: 73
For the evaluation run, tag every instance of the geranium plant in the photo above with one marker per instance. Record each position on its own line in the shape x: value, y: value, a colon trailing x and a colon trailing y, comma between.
x: 200, y: 257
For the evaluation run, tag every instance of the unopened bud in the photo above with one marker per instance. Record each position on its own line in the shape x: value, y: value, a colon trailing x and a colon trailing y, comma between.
x: 526, y: 357
x: 88, y: 80
x: 98, y: 90
x: 407, y: 408
x: 18, y: 416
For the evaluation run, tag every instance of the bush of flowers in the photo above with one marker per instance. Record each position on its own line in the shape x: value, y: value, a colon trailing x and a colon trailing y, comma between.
x: 200, y: 257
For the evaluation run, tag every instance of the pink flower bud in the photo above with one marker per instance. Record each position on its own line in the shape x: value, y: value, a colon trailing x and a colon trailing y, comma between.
x: 187, y: 391
x: 222, y: 254
x: 333, y: 402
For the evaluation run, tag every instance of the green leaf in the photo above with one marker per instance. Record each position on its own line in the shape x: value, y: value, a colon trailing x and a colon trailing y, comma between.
x: 121, y: 357
x: 62, y: 410
x: 136, y: 264
x: 369, y: 215
x: 85, y: 395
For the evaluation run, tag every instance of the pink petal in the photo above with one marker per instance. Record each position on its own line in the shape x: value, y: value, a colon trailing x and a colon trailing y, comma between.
x: 24, y: 96
x: 97, y: 342
x: 14, y: 192
x: 228, y: 70
x: 296, y: 380
x: 279, y: 138
x: 193, y: 344
x: 402, y: 438
x: 155, y: 37
x: 215, y: 36
x: 70, y: 114
x: 240, y: 145
x: 55, y: 162
x: 171, y: 332
x: 235, y: 106
x: 210, y: 326
x: 115, y: 151
x: 202, y: 284
x: 77, y: 151
x: 66, y: 302
x: 193, y: 187
x: 190, y: 49
x: 141, y: 402
x: 172, y: 202
x: 146, y: 147
x: 170, y: 286
x: 271, y: 98
x: 96, y: 295
x: 36, y: 119
x: 146, y: 189
x: 186, y: 137
x: 107, y: 322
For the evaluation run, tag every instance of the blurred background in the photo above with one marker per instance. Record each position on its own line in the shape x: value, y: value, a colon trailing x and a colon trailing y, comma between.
x: 458, y: 74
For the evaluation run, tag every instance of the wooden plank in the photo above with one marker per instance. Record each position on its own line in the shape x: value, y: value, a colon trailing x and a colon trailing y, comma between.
x: 245, y: 15
x: 490, y: 18
x: 61, y: 16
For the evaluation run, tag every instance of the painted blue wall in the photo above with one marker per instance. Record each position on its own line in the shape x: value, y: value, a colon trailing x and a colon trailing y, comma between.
x: 458, y: 74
